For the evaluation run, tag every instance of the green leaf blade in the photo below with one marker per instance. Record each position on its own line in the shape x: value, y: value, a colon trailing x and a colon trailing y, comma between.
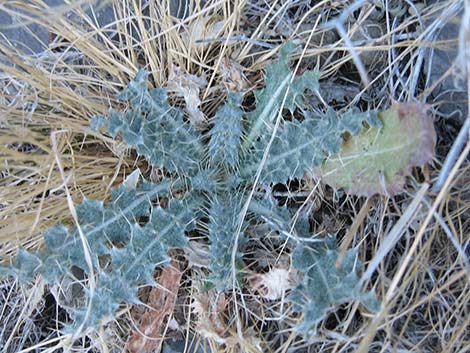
x: 154, y: 128
x: 325, y: 285
x: 378, y: 161
x: 301, y: 146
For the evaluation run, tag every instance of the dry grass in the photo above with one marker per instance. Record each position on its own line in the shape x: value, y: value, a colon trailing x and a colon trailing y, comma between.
x: 422, y: 279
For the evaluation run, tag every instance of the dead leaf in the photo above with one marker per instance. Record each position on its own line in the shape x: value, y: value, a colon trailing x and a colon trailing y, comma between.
x: 198, y: 33
x: 209, y: 308
x: 188, y: 86
x: 232, y: 75
x: 198, y: 254
x: 160, y: 305
x: 273, y: 284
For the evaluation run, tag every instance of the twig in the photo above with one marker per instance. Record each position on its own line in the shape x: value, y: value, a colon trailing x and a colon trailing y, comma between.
x: 452, y: 238
x: 239, y: 38
x: 452, y: 155
x: 352, y: 231
x: 394, y: 235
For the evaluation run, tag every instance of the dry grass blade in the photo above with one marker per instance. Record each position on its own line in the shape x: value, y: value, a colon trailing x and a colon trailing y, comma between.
x: 368, y: 53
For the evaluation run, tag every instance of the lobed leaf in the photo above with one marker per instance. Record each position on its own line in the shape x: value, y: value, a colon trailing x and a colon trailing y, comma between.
x: 279, y: 84
x: 133, y: 263
x: 113, y: 232
x: 378, y: 160
x: 154, y: 128
x: 325, y: 285
x: 101, y: 226
x: 300, y: 146
x: 276, y: 72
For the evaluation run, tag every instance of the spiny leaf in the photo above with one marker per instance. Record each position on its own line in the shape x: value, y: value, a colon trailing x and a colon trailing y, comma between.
x: 132, y: 250
x: 300, y: 146
x: 325, y: 285
x: 149, y: 244
x: 154, y: 128
x: 227, y: 132
x: 279, y: 82
x: 278, y: 218
x: 206, y: 180
x: 100, y: 224
x: 276, y: 73
x: 133, y: 263
x: 378, y: 161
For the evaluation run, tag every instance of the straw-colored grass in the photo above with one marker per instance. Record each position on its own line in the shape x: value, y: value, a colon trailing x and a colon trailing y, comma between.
x: 423, y: 279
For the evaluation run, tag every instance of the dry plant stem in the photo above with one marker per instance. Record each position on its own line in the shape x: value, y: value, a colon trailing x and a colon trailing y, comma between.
x: 452, y: 238
x: 428, y: 218
x: 462, y: 137
x: 352, y: 231
x: 205, y: 10
x: 395, y: 234
x: 65, y: 341
x: 261, y: 25
x: 338, y: 24
x: 357, y: 60
x: 86, y: 248
x: 232, y: 24
x: 237, y: 38
x: 41, y: 203
x: 374, y: 325
x: 23, y: 311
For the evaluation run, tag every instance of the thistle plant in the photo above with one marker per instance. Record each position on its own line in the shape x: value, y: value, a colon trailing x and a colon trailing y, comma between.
x: 213, y: 174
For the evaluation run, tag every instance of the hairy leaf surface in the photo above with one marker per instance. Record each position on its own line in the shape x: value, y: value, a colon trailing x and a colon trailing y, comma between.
x: 378, y: 160
x: 155, y: 128
x: 325, y: 285
x: 227, y: 132
x: 100, y: 224
x: 112, y: 232
x: 279, y: 84
x: 300, y: 146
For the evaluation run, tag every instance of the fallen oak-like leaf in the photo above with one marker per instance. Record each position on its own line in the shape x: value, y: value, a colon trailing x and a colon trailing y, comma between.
x: 378, y: 160
x: 161, y: 303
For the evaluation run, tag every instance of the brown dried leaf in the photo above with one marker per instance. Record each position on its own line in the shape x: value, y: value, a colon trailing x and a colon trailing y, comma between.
x: 232, y: 75
x: 209, y: 308
x: 160, y: 305
x: 188, y: 86
x: 198, y: 33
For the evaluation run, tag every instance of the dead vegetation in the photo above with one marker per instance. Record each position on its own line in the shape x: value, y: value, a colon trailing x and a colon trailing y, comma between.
x: 415, y: 245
